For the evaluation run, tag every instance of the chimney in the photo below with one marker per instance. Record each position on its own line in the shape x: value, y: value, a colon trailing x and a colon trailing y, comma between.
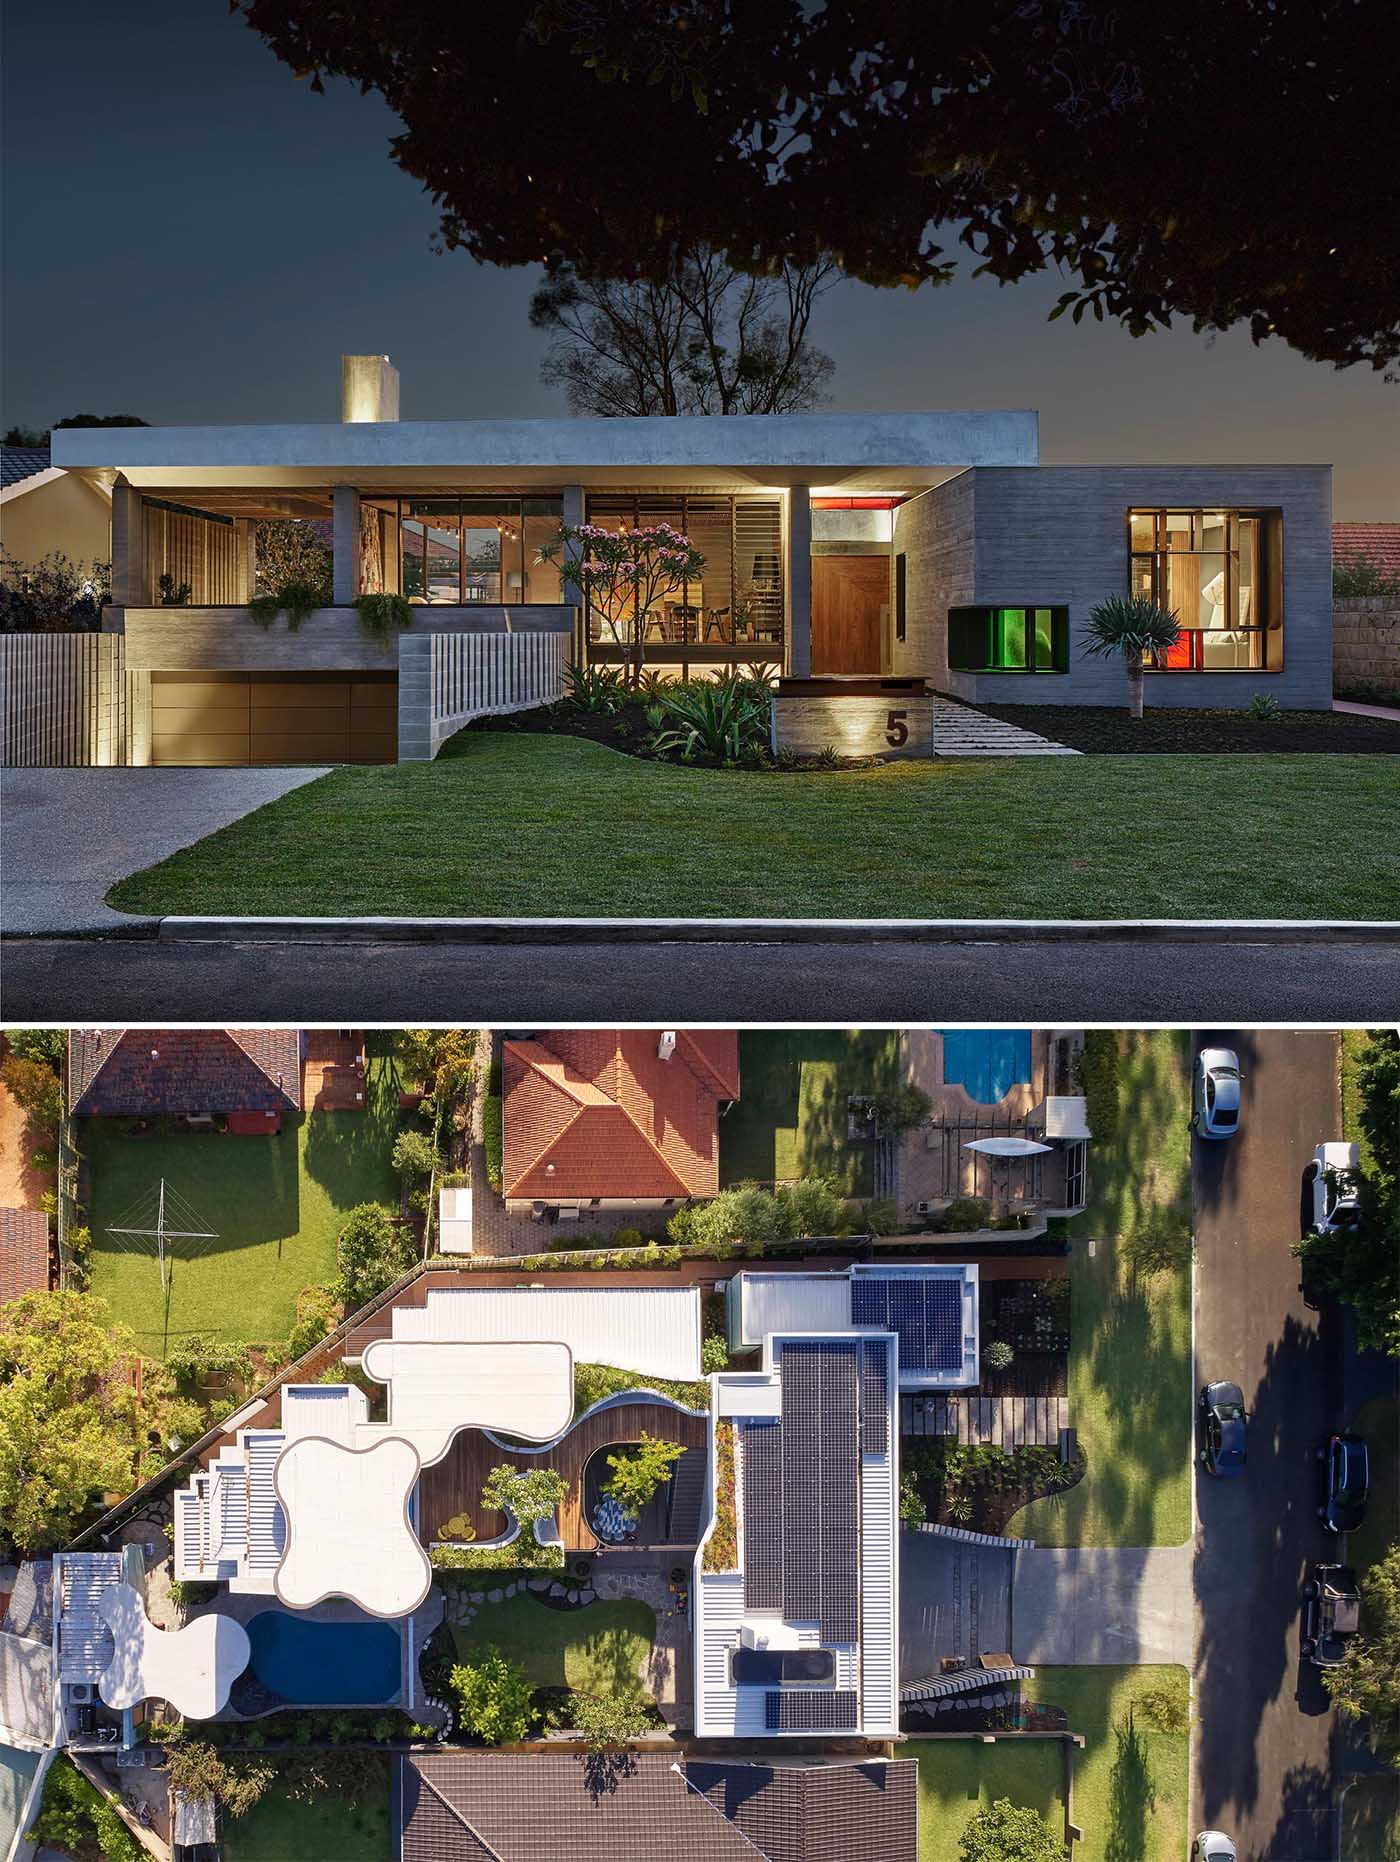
x: 369, y: 389
x: 666, y: 1046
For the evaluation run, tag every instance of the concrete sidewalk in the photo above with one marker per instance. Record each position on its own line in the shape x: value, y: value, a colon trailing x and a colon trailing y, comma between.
x: 1101, y: 1605
x: 69, y: 834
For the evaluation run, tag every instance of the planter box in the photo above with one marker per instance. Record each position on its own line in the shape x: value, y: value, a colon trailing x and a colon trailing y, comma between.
x: 855, y: 716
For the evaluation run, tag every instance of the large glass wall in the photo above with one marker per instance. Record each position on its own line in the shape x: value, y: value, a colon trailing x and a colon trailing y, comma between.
x: 733, y: 611
x: 1219, y: 571
x: 476, y: 549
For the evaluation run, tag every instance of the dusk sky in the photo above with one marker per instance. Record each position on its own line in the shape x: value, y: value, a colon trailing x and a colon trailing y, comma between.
x: 192, y: 235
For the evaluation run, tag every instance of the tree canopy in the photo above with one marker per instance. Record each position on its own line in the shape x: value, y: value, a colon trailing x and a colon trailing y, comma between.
x: 1004, y: 1832
x: 1367, y: 1684
x: 373, y: 1250
x: 1229, y: 161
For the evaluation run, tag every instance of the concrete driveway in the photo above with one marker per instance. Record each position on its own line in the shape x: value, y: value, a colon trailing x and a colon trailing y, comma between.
x: 69, y: 834
x: 954, y: 1599
x: 1096, y: 1605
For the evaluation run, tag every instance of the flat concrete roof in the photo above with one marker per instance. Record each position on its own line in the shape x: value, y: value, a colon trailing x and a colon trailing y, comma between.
x: 348, y: 1530
x: 437, y: 1385
x: 828, y: 451
x: 193, y: 1668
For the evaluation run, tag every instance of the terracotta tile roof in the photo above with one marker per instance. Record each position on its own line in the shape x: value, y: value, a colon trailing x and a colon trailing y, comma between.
x: 1378, y: 543
x: 539, y: 1807
x: 24, y: 1252
x: 597, y: 1112
x: 130, y: 1072
x: 819, y: 1813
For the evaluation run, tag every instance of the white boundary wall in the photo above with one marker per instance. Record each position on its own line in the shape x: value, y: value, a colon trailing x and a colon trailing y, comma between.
x: 446, y: 680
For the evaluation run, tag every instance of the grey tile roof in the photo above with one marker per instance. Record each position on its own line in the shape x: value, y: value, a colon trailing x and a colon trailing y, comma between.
x: 819, y: 1813
x: 21, y: 462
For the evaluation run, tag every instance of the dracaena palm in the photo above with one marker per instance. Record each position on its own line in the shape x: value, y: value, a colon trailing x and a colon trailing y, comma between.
x: 1139, y: 629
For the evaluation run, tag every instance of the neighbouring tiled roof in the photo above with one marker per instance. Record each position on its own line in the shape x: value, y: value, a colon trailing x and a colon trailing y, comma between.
x: 24, y: 1252
x: 596, y: 1112
x: 1378, y: 543
x: 21, y: 462
x: 120, y: 1072
x: 548, y: 1807
x: 819, y: 1813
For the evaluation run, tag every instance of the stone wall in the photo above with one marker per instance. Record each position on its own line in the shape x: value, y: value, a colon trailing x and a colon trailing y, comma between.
x: 1366, y: 641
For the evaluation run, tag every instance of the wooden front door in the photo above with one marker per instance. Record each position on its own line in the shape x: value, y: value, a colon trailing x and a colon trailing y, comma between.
x: 850, y: 597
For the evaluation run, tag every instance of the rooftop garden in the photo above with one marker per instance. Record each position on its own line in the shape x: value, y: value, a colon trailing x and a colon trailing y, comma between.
x: 901, y: 840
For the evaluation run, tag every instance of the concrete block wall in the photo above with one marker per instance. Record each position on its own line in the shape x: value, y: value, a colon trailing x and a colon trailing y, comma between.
x: 1057, y: 536
x: 446, y: 680
x: 69, y: 700
x: 1366, y: 641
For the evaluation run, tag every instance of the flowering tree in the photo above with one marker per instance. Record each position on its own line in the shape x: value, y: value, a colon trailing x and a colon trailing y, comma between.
x: 622, y: 573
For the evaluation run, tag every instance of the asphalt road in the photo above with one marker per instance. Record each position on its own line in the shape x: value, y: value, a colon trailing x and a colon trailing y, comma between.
x: 1261, y: 1763
x: 53, y: 979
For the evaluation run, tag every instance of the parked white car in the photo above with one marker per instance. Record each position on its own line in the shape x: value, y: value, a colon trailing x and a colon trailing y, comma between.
x: 1213, y: 1846
x: 1334, y: 1185
x: 1215, y: 1093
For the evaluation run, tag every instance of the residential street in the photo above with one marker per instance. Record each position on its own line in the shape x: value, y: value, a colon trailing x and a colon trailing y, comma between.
x: 1261, y: 1753
x: 58, y: 979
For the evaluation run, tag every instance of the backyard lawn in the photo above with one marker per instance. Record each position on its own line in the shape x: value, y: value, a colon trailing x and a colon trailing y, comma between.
x: 1130, y: 1340
x: 599, y: 1649
x: 324, y: 1829
x: 275, y: 1205
x: 1130, y: 1781
x: 790, y: 1119
x: 551, y: 826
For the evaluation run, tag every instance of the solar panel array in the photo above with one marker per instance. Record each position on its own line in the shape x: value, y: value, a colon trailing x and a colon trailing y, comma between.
x: 874, y: 1397
x: 821, y: 1458
x: 809, y: 1710
x: 926, y: 1314
x: 763, y: 1515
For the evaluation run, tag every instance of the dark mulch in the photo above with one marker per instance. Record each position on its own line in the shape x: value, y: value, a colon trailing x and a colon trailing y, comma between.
x: 994, y: 1501
x: 627, y: 730
x: 1111, y: 732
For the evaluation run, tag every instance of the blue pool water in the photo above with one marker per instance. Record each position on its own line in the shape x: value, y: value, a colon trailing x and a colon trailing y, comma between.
x: 325, y: 1664
x: 987, y: 1062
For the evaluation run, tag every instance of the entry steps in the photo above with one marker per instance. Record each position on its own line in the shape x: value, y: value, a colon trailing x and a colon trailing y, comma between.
x: 962, y: 730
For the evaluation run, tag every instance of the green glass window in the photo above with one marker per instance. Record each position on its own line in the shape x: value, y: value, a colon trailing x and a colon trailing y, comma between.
x: 1008, y: 639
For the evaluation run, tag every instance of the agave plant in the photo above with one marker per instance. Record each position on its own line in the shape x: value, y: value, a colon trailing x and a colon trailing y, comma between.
x: 595, y: 689
x: 721, y: 719
x: 1136, y: 627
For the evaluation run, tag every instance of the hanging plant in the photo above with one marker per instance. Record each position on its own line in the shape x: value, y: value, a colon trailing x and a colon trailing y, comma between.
x: 294, y: 599
x: 382, y: 616
x: 263, y: 609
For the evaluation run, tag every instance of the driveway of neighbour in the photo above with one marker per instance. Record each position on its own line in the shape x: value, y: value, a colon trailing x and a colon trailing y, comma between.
x: 1090, y: 1604
x: 69, y: 834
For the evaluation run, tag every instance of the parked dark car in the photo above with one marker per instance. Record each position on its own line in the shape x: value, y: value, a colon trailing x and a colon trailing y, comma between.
x: 1348, y: 1483
x: 1222, y: 1429
x: 1331, y: 1614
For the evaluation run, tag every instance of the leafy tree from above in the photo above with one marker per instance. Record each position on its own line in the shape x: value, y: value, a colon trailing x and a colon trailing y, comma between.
x: 34, y: 1086
x: 899, y: 1108
x: 494, y: 1697
x: 74, y: 1816
x: 49, y: 1045
x: 201, y: 1772
x: 1367, y: 1684
x: 414, y: 1156
x: 1136, y: 628
x: 373, y: 1251
x: 442, y: 1061
x: 1005, y: 1832
x: 73, y: 1424
x: 704, y: 339
x: 607, y: 1721
x: 639, y: 1469
x: 1118, y: 148
x: 811, y: 1207
x: 526, y: 1497
x: 101, y: 420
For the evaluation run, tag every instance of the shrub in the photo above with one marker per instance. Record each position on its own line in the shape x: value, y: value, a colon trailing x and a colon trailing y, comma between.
x: 318, y: 1314
x: 492, y: 1139
x: 1097, y: 1067
x: 722, y: 1546
x: 881, y: 1217
x: 494, y: 1698
x: 36, y: 1088
x: 606, y: 1721
x: 55, y: 595
x: 723, y: 718
x: 714, y: 1353
x: 811, y: 1207
x: 414, y: 1156
x: 627, y: 1238
x: 745, y: 1214
x: 383, y: 616
x: 526, y: 1497
x: 1164, y: 1708
x: 593, y: 1382
x: 1003, y: 1833
x: 900, y: 1108
x: 595, y: 690
x: 639, y: 1470
x: 47, y: 1045
x: 998, y: 1355
x: 966, y: 1213
x: 373, y: 1251
x: 1264, y: 708
x: 188, y: 1595
x: 290, y: 550
x: 74, y: 1815
x: 201, y: 1354
x: 911, y: 1502
x: 1160, y: 1243
x: 524, y: 1553
x: 1364, y: 575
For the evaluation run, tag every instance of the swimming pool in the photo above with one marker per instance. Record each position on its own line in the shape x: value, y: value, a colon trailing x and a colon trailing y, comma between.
x: 316, y: 1664
x: 986, y: 1062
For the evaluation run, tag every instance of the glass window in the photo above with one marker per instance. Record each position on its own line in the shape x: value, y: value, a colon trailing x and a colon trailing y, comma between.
x: 1008, y: 639
x: 1209, y: 568
x: 478, y: 549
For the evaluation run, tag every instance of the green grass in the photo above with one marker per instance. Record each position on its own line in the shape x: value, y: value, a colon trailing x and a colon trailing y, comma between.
x: 790, y: 1120
x: 551, y: 826
x: 275, y: 1204
x: 599, y: 1649
x: 325, y: 1830
x: 1371, y: 1820
x: 1355, y: 1041
x: 1130, y: 1342
x: 1130, y: 1781
x: 1378, y: 1423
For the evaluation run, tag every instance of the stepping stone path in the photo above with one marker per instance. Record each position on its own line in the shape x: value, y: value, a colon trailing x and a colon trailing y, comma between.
x: 961, y: 730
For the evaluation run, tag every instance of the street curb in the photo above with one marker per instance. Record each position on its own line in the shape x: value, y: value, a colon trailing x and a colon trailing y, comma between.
x: 507, y: 931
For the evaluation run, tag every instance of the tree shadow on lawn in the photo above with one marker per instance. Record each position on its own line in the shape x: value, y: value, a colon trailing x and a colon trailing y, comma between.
x: 1132, y: 1796
x: 854, y: 1061
x: 349, y: 1154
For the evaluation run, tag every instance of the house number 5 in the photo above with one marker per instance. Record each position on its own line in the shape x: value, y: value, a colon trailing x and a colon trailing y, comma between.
x: 896, y: 730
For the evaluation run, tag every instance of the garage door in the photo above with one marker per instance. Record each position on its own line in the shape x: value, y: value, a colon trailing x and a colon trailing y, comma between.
x: 238, y: 718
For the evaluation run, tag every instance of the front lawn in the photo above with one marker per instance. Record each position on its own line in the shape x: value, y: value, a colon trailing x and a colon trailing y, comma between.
x: 790, y: 1119
x: 1130, y: 1781
x: 1354, y: 1043
x: 1371, y: 1819
x: 1130, y: 1338
x: 599, y: 1649
x: 1378, y: 1424
x: 555, y: 826
x: 276, y: 1205
x: 325, y: 1829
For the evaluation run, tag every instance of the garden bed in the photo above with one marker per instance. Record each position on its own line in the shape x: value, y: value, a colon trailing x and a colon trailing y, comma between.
x: 980, y: 1489
x: 629, y: 730
x: 1177, y: 732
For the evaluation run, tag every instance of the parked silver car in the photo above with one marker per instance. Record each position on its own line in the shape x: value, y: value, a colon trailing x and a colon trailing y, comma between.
x: 1215, y: 1093
x: 1213, y: 1846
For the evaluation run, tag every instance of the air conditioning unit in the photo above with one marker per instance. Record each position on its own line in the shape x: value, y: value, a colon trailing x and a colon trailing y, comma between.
x: 666, y: 1046
x: 568, y: 1212
x: 80, y: 1692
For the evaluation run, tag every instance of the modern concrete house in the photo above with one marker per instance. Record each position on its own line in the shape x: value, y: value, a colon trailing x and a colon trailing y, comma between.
x: 927, y: 545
